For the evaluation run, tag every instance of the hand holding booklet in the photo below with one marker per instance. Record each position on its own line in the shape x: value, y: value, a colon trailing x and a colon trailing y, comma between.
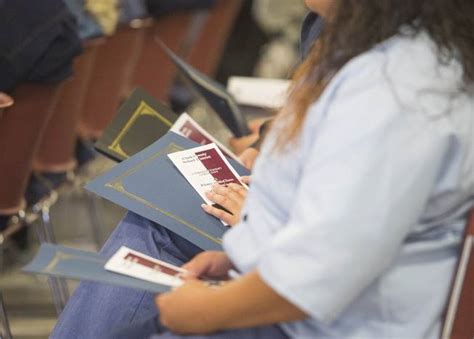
x: 138, y: 265
x: 126, y: 268
x: 150, y: 185
x: 203, y: 167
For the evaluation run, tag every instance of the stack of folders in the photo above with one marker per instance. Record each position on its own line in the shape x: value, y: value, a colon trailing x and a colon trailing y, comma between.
x: 166, y: 164
x: 165, y: 183
x: 141, y: 120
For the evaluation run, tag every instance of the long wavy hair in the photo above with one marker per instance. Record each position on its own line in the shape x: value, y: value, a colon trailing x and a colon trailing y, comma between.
x: 355, y: 26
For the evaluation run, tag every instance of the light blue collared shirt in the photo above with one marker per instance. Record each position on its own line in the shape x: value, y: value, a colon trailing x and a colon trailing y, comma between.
x: 359, y: 225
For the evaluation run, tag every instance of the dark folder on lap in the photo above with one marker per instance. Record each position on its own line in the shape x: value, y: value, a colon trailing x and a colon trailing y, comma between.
x: 149, y: 185
x: 140, y: 121
x: 216, y: 96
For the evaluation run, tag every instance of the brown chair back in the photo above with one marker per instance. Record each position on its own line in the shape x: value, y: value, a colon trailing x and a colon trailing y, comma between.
x: 459, y: 320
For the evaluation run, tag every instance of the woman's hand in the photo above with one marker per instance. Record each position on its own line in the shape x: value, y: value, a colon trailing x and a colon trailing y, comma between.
x: 210, y: 264
x: 186, y: 310
x: 248, y: 157
x: 231, y: 197
x: 5, y: 100
x: 239, y: 145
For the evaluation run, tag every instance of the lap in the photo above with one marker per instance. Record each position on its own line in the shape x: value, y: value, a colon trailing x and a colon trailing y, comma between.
x: 95, y: 309
x: 264, y: 332
x: 153, y: 330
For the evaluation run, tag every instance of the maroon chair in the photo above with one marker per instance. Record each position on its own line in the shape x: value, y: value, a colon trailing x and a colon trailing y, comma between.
x: 459, y: 319
x: 206, y: 52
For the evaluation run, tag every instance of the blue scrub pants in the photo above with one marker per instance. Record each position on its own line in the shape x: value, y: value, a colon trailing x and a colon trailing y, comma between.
x: 104, y: 311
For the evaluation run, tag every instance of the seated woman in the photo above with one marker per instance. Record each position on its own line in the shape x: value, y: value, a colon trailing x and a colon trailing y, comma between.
x: 358, y: 199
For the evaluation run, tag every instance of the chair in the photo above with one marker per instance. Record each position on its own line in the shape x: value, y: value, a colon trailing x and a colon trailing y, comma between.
x: 459, y: 320
x: 223, y: 16
x: 5, y: 332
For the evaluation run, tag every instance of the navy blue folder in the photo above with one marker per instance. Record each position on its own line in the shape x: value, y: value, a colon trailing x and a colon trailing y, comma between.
x: 149, y: 185
x: 70, y: 263
x: 216, y: 96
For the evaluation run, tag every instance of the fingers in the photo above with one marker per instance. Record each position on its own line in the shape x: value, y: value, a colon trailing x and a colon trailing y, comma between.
x: 220, y: 214
x: 255, y: 125
x: 241, y: 144
x: 230, y: 199
x: 231, y: 191
x: 246, y: 179
x: 248, y: 157
x: 197, y: 267
x: 210, y: 263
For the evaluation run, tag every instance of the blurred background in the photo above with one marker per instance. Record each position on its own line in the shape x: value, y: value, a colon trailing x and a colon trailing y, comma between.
x: 67, y: 78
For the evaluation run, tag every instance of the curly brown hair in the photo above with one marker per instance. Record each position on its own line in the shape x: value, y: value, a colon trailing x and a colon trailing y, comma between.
x: 355, y: 26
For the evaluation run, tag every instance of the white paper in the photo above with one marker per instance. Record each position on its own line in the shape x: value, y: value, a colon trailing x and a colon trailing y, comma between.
x: 190, y: 129
x: 141, y: 266
x: 203, y: 167
x: 259, y: 92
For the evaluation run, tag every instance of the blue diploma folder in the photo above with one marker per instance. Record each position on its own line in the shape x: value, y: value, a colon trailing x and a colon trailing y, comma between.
x: 70, y: 263
x: 149, y: 185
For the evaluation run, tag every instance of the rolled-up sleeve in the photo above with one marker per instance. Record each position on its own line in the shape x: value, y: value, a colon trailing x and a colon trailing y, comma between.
x: 366, y: 179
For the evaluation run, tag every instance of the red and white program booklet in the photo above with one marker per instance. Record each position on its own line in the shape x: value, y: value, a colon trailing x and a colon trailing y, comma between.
x: 205, y: 166
x: 190, y: 129
x: 141, y: 266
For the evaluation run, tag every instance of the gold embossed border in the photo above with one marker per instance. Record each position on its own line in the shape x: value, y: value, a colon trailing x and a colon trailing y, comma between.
x: 142, y: 109
x: 61, y: 256
x: 117, y: 185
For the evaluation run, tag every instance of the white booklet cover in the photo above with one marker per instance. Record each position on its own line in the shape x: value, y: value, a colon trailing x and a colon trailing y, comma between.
x: 190, y: 129
x: 259, y: 92
x: 205, y: 166
x: 141, y: 266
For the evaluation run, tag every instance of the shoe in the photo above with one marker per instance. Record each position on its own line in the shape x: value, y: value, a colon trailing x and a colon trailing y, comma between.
x: 10, y: 225
x: 41, y: 186
x: 84, y: 152
x: 41, y: 193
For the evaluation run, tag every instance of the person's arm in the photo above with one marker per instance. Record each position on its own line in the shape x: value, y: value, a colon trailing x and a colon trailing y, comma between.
x: 241, y: 303
x: 248, y: 147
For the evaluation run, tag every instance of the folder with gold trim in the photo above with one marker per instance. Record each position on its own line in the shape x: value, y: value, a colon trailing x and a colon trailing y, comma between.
x: 140, y: 121
x: 149, y: 185
x: 71, y: 263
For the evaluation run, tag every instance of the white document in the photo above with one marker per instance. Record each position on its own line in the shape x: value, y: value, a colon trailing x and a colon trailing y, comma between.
x: 138, y: 265
x: 259, y: 92
x: 190, y: 129
x: 203, y: 167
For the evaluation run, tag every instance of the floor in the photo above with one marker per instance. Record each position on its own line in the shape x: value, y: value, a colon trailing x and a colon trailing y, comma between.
x: 27, y: 298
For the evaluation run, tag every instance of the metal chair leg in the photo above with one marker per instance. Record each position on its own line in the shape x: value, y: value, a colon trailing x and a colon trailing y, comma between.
x: 4, y: 324
x: 96, y: 221
x: 58, y: 286
x: 45, y: 231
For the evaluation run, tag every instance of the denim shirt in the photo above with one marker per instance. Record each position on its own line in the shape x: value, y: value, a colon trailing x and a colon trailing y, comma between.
x: 359, y: 224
